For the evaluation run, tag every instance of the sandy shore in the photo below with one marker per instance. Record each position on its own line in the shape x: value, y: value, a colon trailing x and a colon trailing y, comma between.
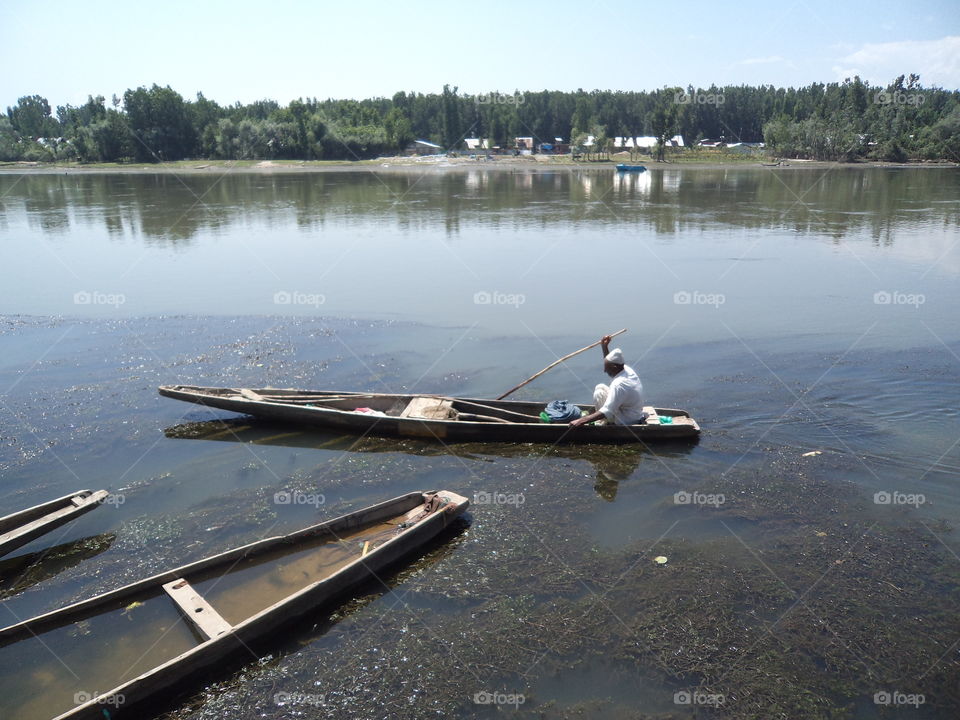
x: 426, y: 164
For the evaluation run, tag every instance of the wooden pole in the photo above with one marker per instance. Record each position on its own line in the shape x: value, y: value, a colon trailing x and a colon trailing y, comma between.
x: 554, y: 364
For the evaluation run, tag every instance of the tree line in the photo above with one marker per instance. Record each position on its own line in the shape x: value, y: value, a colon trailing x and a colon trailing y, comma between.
x: 834, y: 121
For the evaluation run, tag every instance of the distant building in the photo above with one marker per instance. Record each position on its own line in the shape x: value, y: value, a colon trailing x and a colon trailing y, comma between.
x: 423, y: 147
x: 477, y: 143
x: 555, y: 148
x: 645, y: 142
x: 523, y: 143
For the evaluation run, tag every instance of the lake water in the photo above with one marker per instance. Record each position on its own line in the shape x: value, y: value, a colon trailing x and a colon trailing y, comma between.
x: 790, y: 310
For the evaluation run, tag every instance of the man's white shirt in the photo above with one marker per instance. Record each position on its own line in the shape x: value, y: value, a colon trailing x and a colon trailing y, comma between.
x: 624, y: 403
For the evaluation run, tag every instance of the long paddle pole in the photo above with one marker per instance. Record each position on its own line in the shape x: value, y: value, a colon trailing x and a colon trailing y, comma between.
x: 554, y: 364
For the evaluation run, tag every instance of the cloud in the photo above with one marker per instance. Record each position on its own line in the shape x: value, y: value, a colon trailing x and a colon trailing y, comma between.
x: 761, y: 60
x: 937, y: 62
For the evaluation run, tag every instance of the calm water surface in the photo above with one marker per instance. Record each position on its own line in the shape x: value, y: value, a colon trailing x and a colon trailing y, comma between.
x: 790, y: 311
x: 687, y: 255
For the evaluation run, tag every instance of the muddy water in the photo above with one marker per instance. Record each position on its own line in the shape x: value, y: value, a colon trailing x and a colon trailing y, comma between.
x: 819, y: 581
x: 253, y: 587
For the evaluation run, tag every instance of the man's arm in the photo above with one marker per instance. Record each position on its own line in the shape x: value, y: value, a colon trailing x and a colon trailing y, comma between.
x: 605, y: 345
x: 584, y: 419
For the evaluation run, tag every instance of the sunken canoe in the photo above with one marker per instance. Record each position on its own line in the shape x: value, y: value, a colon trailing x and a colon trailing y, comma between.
x: 19, y: 528
x: 431, y: 416
x: 152, y: 636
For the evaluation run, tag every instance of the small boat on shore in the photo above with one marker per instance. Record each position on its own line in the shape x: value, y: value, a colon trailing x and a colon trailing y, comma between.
x: 19, y: 528
x: 431, y: 416
x: 621, y: 167
x: 151, y: 636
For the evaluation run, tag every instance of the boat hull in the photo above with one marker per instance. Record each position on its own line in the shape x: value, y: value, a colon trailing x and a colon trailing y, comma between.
x: 20, y: 528
x: 289, y: 406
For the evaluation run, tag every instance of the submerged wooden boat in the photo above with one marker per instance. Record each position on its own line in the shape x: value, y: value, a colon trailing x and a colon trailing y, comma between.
x: 621, y: 167
x: 19, y: 528
x: 152, y: 635
x: 431, y: 416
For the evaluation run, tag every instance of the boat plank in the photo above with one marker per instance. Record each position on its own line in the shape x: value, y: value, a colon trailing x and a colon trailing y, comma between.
x: 207, y: 621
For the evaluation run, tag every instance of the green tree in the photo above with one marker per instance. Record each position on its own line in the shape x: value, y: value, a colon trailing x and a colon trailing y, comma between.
x: 9, y: 141
x: 160, y: 123
x: 71, y: 118
x: 397, y: 128
x: 600, y: 140
x: 30, y: 117
x: 452, y: 131
x: 942, y: 139
x: 663, y: 119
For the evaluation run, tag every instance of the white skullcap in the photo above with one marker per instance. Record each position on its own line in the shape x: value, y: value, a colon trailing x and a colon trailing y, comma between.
x: 615, y: 356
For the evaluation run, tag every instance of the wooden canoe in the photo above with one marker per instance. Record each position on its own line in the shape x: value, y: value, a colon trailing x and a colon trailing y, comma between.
x: 18, y: 529
x: 430, y: 416
x: 148, y: 637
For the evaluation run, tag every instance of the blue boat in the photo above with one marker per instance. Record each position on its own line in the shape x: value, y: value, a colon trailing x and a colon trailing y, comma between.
x: 630, y: 168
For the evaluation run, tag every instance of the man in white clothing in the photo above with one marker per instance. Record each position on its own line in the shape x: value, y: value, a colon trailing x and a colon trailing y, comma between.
x: 620, y: 402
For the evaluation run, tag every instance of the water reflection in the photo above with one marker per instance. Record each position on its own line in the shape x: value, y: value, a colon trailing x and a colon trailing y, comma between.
x: 611, y: 464
x: 170, y: 208
x: 23, y: 571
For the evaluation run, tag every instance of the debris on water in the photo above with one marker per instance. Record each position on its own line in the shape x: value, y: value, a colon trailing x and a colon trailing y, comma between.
x: 132, y: 606
x: 81, y: 628
x: 812, y: 453
x: 660, y: 559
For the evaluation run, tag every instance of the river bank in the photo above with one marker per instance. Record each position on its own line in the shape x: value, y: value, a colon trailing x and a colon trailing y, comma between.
x: 437, y: 163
